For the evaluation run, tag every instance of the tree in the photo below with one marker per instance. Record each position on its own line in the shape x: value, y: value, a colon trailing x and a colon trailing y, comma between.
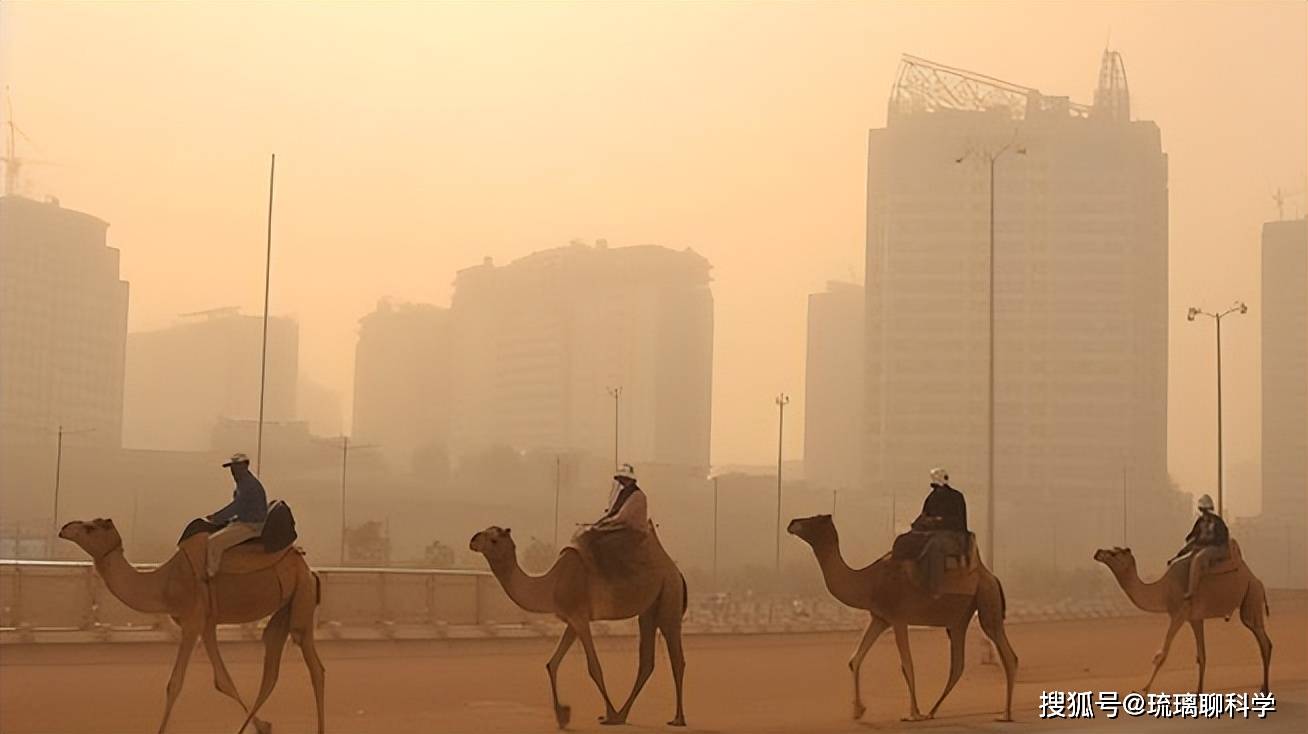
x: 539, y: 556
x: 368, y: 543
x: 438, y: 555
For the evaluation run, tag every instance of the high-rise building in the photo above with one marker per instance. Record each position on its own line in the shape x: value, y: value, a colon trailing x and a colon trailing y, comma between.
x: 402, y: 382
x: 1285, y: 373
x: 63, y: 325
x: 539, y: 344
x: 833, y: 389
x: 182, y: 379
x: 1080, y: 303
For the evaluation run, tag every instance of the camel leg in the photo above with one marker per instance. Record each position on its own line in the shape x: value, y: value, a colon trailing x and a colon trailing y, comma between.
x: 1161, y: 656
x: 957, y: 636
x: 562, y: 714
x: 1252, y: 611
x: 596, y: 672
x: 645, y: 665
x: 1201, y: 656
x: 190, y: 631
x: 875, y: 627
x: 677, y: 660
x: 317, y: 671
x: 274, y: 639
x: 906, y: 665
x: 990, y: 612
x: 222, y: 680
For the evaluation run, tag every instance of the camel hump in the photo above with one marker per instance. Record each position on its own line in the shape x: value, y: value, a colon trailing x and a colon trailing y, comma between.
x: 625, y: 570
x: 1233, y: 561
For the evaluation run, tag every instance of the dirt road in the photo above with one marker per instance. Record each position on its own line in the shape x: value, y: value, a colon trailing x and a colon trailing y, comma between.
x: 791, y: 683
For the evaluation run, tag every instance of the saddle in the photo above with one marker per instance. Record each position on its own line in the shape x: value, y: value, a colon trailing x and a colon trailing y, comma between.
x: 960, y: 576
x: 1231, y: 563
x: 620, y: 562
x: 278, y: 529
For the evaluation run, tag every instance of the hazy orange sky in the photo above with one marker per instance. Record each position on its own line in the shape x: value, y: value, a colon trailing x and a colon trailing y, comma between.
x: 414, y: 139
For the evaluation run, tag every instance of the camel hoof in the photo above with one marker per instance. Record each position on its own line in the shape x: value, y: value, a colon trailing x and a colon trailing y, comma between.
x: 914, y: 717
x: 263, y: 727
x: 679, y: 721
x: 859, y: 710
x: 613, y: 720
x: 1004, y: 718
x: 563, y: 715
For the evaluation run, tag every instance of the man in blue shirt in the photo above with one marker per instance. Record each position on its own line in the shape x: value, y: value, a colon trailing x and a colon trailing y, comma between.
x: 242, y: 518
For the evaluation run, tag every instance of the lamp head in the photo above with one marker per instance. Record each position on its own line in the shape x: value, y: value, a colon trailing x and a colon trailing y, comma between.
x: 1191, y: 313
x: 1243, y: 308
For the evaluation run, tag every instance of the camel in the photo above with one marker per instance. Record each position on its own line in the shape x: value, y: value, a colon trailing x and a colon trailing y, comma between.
x: 1227, y: 585
x: 577, y: 592
x: 250, y: 585
x: 887, y: 591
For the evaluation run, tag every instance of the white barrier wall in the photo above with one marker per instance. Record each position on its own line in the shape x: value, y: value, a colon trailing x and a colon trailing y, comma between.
x: 69, y: 595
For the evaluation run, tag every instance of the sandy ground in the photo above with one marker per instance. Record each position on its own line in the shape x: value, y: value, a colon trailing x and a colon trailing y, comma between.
x: 783, y: 683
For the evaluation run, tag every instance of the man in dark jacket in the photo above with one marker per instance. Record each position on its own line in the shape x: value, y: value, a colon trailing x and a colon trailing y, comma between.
x: 242, y: 518
x: 1207, y: 540
x: 944, y: 519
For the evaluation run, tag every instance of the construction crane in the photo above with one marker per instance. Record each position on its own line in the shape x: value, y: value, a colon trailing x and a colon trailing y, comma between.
x: 14, y: 164
x: 1279, y: 197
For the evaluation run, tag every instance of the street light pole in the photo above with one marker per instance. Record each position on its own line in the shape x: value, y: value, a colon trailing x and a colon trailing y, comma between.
x: 782, y: 401
x: 345, y: 461
x: 616, y: 394
x: 59, y: 463
x: 557, y: 481
x: 991, y: 158
x: 1241, y: 308
x: 715, y: 534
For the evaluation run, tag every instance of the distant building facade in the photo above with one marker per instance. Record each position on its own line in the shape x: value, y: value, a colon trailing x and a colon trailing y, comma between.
x: 63, y: 325
x: 1284, y: 315
x: 833, y: 389
x: 539, y: 342
x: 1081, y: 298
x: 402, y: 382
x: 183, y: 379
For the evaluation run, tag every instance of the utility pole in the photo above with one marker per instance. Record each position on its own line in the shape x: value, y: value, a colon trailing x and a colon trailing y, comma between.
x: 1240, y: 308
x: 616, y: 394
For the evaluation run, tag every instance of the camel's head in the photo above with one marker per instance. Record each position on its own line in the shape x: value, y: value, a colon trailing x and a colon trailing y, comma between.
x: 810, y: 529
x: 494, y: 542
x: 97, y: 537
x: 1115, y: 558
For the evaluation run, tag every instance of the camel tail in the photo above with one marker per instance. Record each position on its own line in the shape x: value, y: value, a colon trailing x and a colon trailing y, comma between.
x: 685, y: 596
x: 317, y: 589
x: 1003, y: 600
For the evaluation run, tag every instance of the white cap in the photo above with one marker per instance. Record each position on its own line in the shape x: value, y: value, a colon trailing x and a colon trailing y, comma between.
x: 626, y: 471
x: 939, y: 476
x: 237, y: 458
x: 1205, y: 503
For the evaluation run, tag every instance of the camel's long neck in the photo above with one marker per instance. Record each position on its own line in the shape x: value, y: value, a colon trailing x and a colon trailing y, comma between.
x: 140, y: 590
x: 842, y: 581
x: 532, y: 593
x: 1148, y: 597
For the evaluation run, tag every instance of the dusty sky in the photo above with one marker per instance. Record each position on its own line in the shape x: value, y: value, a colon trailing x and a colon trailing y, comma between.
x: 413, y: 139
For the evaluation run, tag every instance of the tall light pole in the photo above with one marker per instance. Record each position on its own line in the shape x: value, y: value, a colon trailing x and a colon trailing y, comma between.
x: 782, y: 401
x: 991, y: 156
x: 267, y: 281
x: 558, y: 461
x: 345, y: 462
x: 1190, y: 315
x: 616, y: 394
x: 59, y: 464
x: 714, y: 477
